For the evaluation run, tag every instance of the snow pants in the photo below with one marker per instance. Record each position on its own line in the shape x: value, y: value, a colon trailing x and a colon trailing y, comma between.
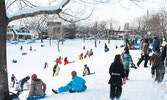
x: 65, y: 88
x: 115, y: 91
x: 144, y: 57
x: 127, y: 73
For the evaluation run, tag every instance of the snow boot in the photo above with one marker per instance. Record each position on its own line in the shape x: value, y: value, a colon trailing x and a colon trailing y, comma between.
x: 55, y: 91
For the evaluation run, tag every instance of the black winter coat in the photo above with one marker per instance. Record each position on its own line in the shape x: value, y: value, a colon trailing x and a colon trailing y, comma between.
x: 116, y: 67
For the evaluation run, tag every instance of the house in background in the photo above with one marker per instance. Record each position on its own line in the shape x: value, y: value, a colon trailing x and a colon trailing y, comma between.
x: 18, y: 32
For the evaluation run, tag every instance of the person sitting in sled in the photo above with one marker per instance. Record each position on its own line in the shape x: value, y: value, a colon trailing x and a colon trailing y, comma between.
x: 76, y: 85
x: 37, y: 87
x: 86, y: 70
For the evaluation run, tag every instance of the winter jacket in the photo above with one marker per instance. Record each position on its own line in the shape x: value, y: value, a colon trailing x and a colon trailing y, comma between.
x: 156, y: 59
x: 86, y: 71
x: 116, y: 72
x: 156, y: 43
x: 75, y: 85
x: 23, y: 81
x: 37, y: 88
x: 145, y: 48
x: 127, y: 59
x: 13, y: 78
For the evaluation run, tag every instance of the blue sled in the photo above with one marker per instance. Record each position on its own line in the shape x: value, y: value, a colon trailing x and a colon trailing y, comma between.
x: 39, y: 97
x: 89, y: 74
x: 84, y: 88
x: 71, y: 62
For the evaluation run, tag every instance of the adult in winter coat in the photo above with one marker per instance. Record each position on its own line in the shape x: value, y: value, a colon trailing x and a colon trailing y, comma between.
x: 13, y: 79
x: 156, y: 43
x: 76, y: 85
x: 157, y: 65
x: 24, y: 80
x: 127, y: 61
x: 144, y: 54
x: 37, y: 87
x: 86, y: 70
x: 116, y: 72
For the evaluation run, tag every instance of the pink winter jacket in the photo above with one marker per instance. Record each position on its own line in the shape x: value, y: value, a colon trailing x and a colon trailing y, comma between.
x: 37, y: 88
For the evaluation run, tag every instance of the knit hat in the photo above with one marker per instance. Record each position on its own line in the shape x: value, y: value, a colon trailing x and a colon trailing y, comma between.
x: 73, y: 73
x: 33, y: 76
x: 28, y: 77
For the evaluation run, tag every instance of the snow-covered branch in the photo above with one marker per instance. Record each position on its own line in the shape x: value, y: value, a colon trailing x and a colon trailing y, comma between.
x: 38, y: 10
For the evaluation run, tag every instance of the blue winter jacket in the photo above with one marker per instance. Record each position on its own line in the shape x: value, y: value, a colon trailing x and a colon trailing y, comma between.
x: 75, y: 85
x: 127, y: 60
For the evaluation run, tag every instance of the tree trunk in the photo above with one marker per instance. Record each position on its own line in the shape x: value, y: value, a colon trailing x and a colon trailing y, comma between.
x: 3, y: 62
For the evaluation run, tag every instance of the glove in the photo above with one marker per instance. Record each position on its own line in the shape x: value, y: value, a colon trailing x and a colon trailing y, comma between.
x: 124, y: 80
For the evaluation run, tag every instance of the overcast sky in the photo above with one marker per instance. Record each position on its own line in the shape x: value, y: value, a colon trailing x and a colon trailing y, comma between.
x: 120, y: 10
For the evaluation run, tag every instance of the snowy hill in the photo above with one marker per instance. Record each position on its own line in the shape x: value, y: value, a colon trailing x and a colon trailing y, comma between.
x: 141, y: 85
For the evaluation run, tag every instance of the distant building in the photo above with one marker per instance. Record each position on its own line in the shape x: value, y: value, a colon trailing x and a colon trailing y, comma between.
x: 54, y: 30
x: 18, y: 32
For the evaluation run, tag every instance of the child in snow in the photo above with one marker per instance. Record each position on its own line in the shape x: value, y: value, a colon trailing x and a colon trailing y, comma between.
x: 76, y: 85
x: 13, y: 79
x: 54, y: 69
x: 157, y: 65
x: 37, y: 87
x: 87, y: 54
x: 24, y: 80
x: 106, y: 48
x: 86, y: 70
x: 66, y: 61
x: 127, y: 60
x: 116, y: 72
x: 90, y: 52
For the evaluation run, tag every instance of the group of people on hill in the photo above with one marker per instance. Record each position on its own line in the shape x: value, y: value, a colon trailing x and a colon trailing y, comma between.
x: 38, y: 87
x: 119, y: 69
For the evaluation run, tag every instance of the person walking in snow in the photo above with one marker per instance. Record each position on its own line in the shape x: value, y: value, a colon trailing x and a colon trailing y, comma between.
x: 116, y: 72
x: 76, y: 85
x: 37, y: 87
x: 13, y: 80
x: 127, y: 61
x: 144, y: 54
x: 157, y: 65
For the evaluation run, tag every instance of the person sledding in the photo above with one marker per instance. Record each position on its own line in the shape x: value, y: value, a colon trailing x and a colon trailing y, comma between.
x: 86, y: 70
x: 106, y: 49
x: 66, y: 61
x: 37, y: 87
x: 127, y: 61
x: 54, y: 69
x: 156, y: 60
x: 76, y: 85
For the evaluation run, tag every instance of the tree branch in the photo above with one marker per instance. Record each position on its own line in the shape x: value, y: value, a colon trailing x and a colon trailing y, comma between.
x: 55, y: 11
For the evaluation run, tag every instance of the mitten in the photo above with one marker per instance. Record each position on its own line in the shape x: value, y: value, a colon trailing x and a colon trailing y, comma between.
x: 124, y: 80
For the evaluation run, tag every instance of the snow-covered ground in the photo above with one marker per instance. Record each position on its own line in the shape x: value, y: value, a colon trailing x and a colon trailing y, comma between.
x: 141, y: 85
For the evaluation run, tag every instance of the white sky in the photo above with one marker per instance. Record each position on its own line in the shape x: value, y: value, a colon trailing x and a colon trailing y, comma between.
x: 120, y: 10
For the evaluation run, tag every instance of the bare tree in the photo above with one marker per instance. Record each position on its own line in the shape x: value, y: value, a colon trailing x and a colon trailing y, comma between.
x: 4, y: 21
